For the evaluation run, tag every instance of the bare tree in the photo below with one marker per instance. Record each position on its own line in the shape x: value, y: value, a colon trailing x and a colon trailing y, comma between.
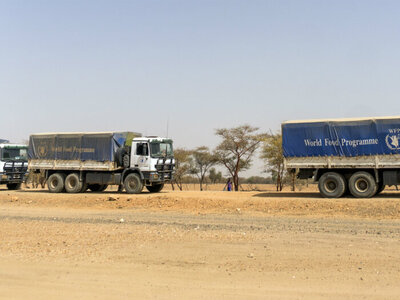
x: 182, y: 166
x: 236, y: 149
x: 201, y: 160
x: 272, y: 154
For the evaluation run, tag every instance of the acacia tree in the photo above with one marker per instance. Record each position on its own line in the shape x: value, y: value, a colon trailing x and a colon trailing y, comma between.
x: 201, y: 160
x: 237, y: 147
x: 182, y: 166
x: 272, y: 154
x: 214, y: 176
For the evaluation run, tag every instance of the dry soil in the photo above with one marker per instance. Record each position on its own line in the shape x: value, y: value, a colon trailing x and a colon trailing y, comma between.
x: 198, y: 245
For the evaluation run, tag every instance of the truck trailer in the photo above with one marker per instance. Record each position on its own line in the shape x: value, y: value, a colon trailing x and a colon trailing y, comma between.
x: 357, y: 156
x: 75, y: 162
x: 13, y: 164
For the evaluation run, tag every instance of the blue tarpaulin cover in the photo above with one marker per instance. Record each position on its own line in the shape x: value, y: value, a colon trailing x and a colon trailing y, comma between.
x: 100, y: 146
x: 356, y: 137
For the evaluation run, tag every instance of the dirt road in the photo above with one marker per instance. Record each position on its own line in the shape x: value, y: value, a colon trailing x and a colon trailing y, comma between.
x: 192, y: 245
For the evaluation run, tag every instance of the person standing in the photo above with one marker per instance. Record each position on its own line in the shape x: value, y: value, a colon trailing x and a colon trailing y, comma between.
x: 229, y: 185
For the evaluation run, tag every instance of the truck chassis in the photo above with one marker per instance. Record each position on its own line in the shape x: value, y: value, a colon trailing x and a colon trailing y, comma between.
x: 361, y: 176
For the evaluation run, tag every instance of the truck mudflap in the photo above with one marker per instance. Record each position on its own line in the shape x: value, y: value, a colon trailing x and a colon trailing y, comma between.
x: 165, y: 167
x: 15, y: 171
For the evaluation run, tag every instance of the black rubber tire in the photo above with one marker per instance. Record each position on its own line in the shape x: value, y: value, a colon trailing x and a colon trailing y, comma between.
x: 84, y: 187
x: 103, y: 187
x: 119, y: 154
x: 73, y: 184
x: 55, y: 183
x: 362, y: 185
x: 155, y: 188
x: 380, y: 188
x: 95, y: 187
x: 14, y: 186
x: 133, y: 184
x: 332, y: 185
x: 126, y: 161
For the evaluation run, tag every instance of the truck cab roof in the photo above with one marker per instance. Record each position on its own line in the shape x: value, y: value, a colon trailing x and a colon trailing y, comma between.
x: 152, y: 139
x: 12, y: 146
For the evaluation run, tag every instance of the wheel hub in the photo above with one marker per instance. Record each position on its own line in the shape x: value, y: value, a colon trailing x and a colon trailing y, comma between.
x: 361, y: 185
x: 330, y: 185
x: 72, y: 182
x: 53, y: 183
x: 132, y: 183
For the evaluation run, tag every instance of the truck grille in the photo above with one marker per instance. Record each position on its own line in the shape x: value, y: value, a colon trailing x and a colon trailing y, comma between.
x: 161, y: 168
x: 165, y: 168
x: 15, y: 169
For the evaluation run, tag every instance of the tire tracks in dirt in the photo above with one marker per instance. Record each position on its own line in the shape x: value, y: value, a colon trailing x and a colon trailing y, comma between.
x: 215, y: 222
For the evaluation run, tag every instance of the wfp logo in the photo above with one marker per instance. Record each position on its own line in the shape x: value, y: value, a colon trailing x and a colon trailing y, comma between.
x: 392, y: 141
x: 42, y: 151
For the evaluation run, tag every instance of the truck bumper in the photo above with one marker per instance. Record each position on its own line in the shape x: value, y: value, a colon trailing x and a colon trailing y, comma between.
x: 158, y: 177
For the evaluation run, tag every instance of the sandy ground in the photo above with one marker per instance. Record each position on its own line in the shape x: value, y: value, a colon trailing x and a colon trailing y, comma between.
x: 198, y: 245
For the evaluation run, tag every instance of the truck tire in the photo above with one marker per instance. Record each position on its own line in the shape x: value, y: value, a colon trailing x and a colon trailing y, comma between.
x: 119, y: 156
x: 362, y: 185
x: 133, y: 184
x: 94, y: 187
x: 103, y: 187
x: 84, y: 187
x: 97, y: 187
x: 332, y: 185
x: 73, y: 184
x: 14, y: 186
x: 380, y: 188
x: 155, y: 188
x: 55, y: 183
x: 126, y: 161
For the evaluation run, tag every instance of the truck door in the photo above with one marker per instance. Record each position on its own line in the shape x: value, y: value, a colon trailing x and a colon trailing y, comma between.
x: 140, y: 156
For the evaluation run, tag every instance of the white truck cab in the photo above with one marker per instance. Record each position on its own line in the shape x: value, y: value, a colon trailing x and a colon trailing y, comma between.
x: 13, y: 164
x: 154, y: 157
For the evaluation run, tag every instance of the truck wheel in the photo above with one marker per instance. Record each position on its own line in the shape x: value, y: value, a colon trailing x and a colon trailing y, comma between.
x: 84, y: 187
x: 119, y: 154
x: 380, y: 188
x: 97, y: 187
x: 126, y: 161
x: 103, y: 187
x: 362, y: 185
x: 332, y: 185
x: 55, y: 183
x: 155, y: 188
x: 94, y: 187
x: 133, y: 184
x: 72, y: 183
x: 14, y: 186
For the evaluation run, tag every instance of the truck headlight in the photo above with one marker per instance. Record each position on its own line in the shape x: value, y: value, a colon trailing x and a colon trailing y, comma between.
x: 154, y: 176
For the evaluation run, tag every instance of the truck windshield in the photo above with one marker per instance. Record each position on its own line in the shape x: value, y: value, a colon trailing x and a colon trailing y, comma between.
x: 14, y: 154
x: 158, y: 149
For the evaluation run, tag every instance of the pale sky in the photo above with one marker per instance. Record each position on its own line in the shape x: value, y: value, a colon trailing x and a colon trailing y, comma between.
x: 134, y: 65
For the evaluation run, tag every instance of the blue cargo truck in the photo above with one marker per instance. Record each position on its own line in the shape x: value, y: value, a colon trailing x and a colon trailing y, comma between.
x: 75, y: 162
x: 356, y: 156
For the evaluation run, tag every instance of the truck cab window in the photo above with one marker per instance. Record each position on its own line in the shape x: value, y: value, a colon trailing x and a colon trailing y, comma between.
x: 142, y: 149
x: 14, y: 154
x: 161, y: 150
